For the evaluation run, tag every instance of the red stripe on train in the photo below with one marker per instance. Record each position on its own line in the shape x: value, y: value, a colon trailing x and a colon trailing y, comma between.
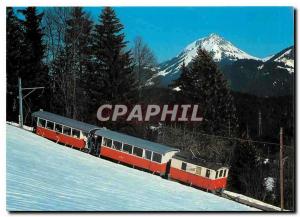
x: 133, y: 160
x: 55, y: 136
x: 199, y: 181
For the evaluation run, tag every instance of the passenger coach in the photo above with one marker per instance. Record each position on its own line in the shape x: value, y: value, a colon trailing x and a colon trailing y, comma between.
x: 62, y: 130
x: 199, y: 173
x: 136, y: 152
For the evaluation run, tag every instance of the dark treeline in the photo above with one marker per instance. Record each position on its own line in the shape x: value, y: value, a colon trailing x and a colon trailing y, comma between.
x: 84, y: 63
x: 229, y: 115
x: 81, y: 63
x: 25, y: 54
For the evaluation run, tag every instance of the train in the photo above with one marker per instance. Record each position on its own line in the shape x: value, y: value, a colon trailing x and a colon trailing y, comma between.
x: 168, y: 162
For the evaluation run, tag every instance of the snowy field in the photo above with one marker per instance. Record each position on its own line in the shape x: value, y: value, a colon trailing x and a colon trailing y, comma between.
x: 44, y: 176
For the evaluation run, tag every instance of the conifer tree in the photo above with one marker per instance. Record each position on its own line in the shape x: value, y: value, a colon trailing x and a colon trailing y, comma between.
x: 72, y: 66
x: 15, y: 43
x: 113, y: 80
x: 184, y: 82
x: 203, y: 83
x: 14, y: 61
x: 34, y: 72
x: 245, y: 176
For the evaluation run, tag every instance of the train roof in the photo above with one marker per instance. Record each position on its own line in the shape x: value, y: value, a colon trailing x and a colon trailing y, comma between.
x: 141, y: 143
x: 64, y: 121
x: 189, y: 158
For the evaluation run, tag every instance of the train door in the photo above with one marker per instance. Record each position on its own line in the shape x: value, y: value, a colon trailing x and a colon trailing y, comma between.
x: 98, y: 145
x: 94, y: 143
x: 168, y: 167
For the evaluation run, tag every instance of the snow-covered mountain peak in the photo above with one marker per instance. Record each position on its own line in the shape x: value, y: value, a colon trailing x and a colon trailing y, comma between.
x: 215, y: 39
x: 219, y: 48
x: 226, y: 55
x: 211, y: 39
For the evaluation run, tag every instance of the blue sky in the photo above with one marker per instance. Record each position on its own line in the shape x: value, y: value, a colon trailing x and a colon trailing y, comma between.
x: 259, y: 31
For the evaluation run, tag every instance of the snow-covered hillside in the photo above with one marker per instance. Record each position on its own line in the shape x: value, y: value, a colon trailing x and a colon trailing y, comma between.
x: 267, y: 58
x: 287, y: 59
x: 42, y: 175
x: 282, y: 60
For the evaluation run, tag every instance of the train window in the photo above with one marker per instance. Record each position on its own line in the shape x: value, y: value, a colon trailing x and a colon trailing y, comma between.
x: 67, y: 130
x: 41, y: 122
x: 84, y: 134
x: 221, y: 173
x: 104, y: 142
x: 127, y: 148
x: 117, y: 145
x: 75, y: 133
x: 224, y: 173
x: 50, y: 125
x: 217, y: 174
x: 148, y: 154
x: 138, y: 151
x: 58, y: 128
x: 183, y: 166
x: 198, y: 171
x: 107, y: 142
x: 156, y: 157
x: 207, y: 173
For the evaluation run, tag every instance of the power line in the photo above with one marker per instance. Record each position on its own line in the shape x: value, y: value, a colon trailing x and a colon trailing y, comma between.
x: 240, y: 139
x: 243, y: 140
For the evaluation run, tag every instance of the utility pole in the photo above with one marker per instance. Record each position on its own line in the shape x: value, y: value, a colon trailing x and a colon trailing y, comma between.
x: 229, y: 127
x: 20, y: 103
x: 32, y: 89
x: 247, y: 130
x: 281, y: 170
x: 259, y: 124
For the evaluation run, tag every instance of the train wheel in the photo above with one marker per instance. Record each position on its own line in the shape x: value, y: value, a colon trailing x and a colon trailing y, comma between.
x: 161, y: 174
x: 221, y: 191
x: 85, y: 150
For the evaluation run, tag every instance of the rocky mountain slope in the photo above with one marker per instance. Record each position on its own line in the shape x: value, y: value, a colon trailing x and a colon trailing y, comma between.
x: 245, y: 73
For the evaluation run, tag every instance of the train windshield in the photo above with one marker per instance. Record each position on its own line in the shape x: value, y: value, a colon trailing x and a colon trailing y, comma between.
x: 41, y: 122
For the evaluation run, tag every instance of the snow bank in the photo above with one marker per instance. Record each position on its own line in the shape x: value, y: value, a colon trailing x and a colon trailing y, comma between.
x: 250, y: 201
x: 269, y: 183
x: 45, y: 176
x: 18, y: 125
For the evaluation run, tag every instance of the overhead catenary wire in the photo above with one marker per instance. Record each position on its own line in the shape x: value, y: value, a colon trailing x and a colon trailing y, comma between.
x: 245, y: 140
x: 241, y: 139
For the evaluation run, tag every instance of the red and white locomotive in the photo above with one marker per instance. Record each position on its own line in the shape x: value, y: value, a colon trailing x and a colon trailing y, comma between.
x: 143, y: 154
